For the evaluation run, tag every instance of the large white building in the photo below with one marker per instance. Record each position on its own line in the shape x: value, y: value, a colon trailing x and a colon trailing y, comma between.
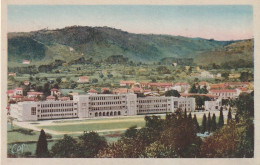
x: 99, y: 105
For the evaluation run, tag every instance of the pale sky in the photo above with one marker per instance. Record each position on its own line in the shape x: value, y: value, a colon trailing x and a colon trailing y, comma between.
x: 230, y: 22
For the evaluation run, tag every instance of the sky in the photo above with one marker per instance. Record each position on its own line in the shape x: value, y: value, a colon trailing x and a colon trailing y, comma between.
x: 230, y: 22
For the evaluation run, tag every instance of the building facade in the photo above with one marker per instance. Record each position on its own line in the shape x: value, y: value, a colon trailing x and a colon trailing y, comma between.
x: 99, y: 105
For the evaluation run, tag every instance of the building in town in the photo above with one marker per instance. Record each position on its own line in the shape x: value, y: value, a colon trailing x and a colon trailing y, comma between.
x: 26, y: 62
x: 84, y: 79
x: 127, y: 83
x: 213, y: 105
x: 98, y: 105
x: 225, y: 93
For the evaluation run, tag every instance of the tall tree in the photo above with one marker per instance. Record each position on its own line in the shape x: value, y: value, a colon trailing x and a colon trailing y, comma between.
x: 193, y: 89
x: 204, y: 124
x: 42, y: 149
x: 213, y: 123
x: 185, y: 114
x: 190, y: 117
x: 196, y: 124
x: 209, y: 123
x: 229, y: 116
x: 221, y: 118
x: 174, y: 93
x: 236, y: 118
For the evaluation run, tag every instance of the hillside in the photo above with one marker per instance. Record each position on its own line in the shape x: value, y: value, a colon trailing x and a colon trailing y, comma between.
x: 101, y: 42
x: 241, y: 50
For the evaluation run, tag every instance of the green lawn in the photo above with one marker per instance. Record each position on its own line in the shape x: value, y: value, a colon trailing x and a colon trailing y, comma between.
x: 95, y: 126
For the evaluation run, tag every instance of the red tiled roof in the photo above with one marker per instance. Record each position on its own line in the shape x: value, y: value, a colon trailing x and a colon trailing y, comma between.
x: 224, y: 90
x: 196, y: 94
x: 127, y: 82
x: 34, y: 93
x: 160, y: 84
x: 18, y: 88
x: 243, y: 89
x: 203, y: 83
x: 83, y: 77
x: 10, y: 92
x: 17, y: 96
x: 92, y: 91
x: 136, y: 89
x: 177, y: 84
x: 28, y: 99
x: 105, y: 89
x: 54, y: 89
x: 144, y: 83
x: 120, y: 90
x: 50, y: 97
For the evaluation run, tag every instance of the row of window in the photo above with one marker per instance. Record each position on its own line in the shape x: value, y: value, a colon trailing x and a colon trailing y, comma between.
x: 152, y: 101
x: 56, y: 110
x: 154, y: 110
x: 152, y: 106
x: 66, y: 114
x: 56, y: 105
x: 106, y: 108
x: 107, y: 98
x: 107, y: 103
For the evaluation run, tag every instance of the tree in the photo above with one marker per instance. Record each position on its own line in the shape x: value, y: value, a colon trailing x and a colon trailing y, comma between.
x: 196, y: 124
x: 65, y: 148
x: 58, y: 80
x: 203, y: 90
x: 204, y: 124
x: 174, y: 93
x: 237, y: 118
x: 131, y: 132
x: 213, y: 123
x: 185, y: 114
x: 221, y: 118
x: 229, y: 116
x: 90, y: 143
x: 193, y: 89
x: 190, y: 117
x: 94, y: 80
x: 42, y: 149
x: 225, y: 75
x: 209, y: 123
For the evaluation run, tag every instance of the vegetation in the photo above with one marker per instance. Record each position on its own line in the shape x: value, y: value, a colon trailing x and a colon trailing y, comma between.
x: 42, y: 150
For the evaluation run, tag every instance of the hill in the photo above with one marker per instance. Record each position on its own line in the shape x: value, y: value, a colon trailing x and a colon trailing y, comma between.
x: 234, y: 52
x: 70, y: 43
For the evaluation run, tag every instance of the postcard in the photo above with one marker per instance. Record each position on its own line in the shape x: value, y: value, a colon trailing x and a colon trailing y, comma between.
x: 95, y: 82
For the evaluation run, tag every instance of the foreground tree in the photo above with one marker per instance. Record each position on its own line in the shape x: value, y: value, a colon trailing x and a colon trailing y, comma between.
x: 221, y: 118
x: 65, y: 148
x: 90, y: 144
x: 209, y: 123
x: 213, y: 123
x: 42, y: 147
x: 204, y: 124
x: 196, y: 124
x: 229, y: 119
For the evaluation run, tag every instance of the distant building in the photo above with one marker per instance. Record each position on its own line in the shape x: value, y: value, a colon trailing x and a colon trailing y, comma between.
x: 120, y: 91
x: 187, y: 67
x: 127, y: 83
x: 206, y: 74
x: 83, y: 79
x: 55, y: 92
x: 26, y: 62
x: 26, y: 83
x: 213, y: 105
x: 174, y: 64
x: 225, y: 93
x: 12, y: 74
x: 51, y: 98
x: 34, y: 94
x: 92, y: 91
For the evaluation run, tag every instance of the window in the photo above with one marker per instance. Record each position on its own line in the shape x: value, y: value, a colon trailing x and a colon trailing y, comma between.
x: 33, y: 111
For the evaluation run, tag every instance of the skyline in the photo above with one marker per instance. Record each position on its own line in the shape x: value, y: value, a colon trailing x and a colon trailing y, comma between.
x: 210, y: 22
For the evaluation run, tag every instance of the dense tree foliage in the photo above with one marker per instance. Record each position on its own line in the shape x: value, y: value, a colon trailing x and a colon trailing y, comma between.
x: 174, y: 93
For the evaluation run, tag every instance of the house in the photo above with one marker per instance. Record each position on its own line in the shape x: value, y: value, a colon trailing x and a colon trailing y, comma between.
x: 181, y: 87
x: 218, y: 86
x: 160, y: 86
x: 26, y: 83
x: 136, y: 90
x: 213, y: 105
x: 27, y: 62
x: 55, y: 92
x: 187, y: 67
x: 10, y: 93
x: 105, y: 90
x: 218, y: 75
x: 17, y: 98
x: 34, y: 94
x: 174, y: 64
x: 144, y: 84
x: 18, y: 91
x: 51, y: 98
x: 120, y: 91
x: 225, y: 93
x: 12, y: 74
x: 127, y: 83
x: 204, y: 84
x: 84, y: 79
x: 92, y: 91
